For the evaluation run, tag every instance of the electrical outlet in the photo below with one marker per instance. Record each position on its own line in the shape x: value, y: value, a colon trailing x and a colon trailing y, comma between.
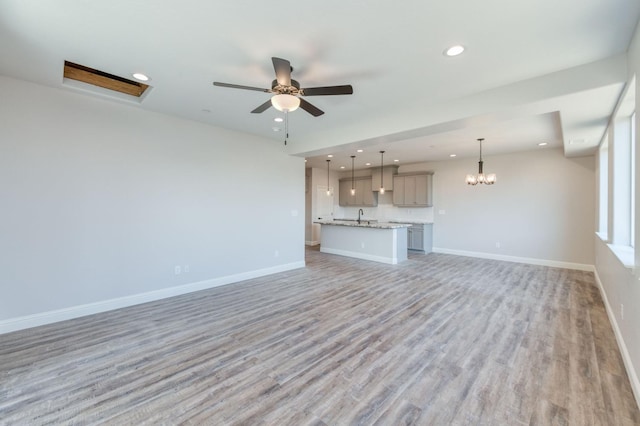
x: 186, y: 269
x: 362, y: 245
x: 498, y: 245
x: 276, y: 253
x: 177, y: 270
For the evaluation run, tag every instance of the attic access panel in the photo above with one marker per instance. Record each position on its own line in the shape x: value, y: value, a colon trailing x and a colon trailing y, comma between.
x: 102, y: 79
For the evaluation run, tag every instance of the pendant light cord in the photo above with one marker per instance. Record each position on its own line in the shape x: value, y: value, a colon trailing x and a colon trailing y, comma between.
x: 382, y: 172
x: 352, y: 158
x: 328, y: 184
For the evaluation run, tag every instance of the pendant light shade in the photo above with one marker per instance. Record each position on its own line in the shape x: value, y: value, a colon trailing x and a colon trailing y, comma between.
x: 328, y: 187
x: 353, y: 187
x: 285, y: 102
x: 381, y: 172
x: 488, y: 179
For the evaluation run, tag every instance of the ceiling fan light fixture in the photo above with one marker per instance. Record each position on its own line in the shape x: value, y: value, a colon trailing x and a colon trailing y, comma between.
x: 285, y: 102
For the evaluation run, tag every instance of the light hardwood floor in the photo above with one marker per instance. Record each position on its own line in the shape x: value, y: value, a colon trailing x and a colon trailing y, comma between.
x: 436, y: 340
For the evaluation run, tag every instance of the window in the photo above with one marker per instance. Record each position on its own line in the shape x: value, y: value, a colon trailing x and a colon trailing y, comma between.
x: 603, y: 192
x: 632, y: 226
x: 617, y: 180
x: 621, y: 174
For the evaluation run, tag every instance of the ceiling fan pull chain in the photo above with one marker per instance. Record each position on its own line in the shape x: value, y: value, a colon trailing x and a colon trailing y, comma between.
x: 286, y: 126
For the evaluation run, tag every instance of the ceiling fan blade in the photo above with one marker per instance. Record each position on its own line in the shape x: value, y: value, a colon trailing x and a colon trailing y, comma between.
x: 237, y: 86
x: 283, y: 71
x: 313, y: 110
x: 329, y: 90
x: 262, y: 108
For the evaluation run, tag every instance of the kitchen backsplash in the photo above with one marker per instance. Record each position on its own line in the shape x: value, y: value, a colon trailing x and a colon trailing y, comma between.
x: 385, y: 211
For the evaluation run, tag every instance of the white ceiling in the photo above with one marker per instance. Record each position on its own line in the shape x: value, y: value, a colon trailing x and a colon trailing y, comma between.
x: 534, y: 71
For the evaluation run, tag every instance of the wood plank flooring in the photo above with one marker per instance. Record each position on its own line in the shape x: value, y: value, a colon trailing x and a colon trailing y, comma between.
x: 436, y: 340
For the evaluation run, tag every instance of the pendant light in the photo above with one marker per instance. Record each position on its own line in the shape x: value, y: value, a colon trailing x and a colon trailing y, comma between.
x: 489, y: 179
x: 381, y: 172
x: 328, y: 187
x: 353, y: 188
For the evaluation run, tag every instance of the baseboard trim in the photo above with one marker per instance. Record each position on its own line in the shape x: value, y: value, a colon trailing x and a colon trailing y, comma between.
x: 35, y: 320
x: 312, y: 243
x: 626, y: 357
x: 529, y: 260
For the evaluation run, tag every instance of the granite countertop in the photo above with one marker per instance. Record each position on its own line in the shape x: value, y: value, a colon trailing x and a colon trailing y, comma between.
x: 412, y: 222
x: 364, y: 224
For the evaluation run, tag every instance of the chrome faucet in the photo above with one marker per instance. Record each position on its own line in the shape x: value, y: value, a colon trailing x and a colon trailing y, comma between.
x: 360, y: 212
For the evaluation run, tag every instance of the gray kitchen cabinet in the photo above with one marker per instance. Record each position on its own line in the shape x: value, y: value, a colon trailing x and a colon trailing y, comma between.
x: 420, y: 237
x: 363, y: 197
x: 417, y: 238
x: 413, y: 190
x: 388, y: 172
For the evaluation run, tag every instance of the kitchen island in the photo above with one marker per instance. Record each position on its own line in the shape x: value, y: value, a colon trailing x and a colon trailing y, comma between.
x: 378, y: 241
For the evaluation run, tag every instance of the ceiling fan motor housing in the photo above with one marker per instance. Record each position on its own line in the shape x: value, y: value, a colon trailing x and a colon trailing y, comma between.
x: 294, y: 89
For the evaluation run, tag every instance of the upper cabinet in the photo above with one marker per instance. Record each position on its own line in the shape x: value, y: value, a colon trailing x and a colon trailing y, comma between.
x: 388, y: 172
x: 413, y: 189
x: 363, y: 197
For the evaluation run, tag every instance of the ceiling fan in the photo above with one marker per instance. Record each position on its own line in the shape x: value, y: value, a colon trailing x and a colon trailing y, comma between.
x: 288, y: 93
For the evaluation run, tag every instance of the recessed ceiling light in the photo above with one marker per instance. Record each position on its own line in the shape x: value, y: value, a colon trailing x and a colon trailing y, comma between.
x: 452, y: 155
x: 140, y: 76
x: 395, y: 161
x: 360, y: 150
x: 330, y: 155
x: 278, y: 119
x: 367, y: 164
x: 576, y: 141
x: 542, y: 144
x: 454, y: 50
x: 342, y: 167
x: 276, y: 129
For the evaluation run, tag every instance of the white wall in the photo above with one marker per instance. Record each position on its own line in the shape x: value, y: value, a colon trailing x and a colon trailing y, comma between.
x: 541, y: 209
x: 101, y: 200
x: 619, y: 284
x: 316, y: 199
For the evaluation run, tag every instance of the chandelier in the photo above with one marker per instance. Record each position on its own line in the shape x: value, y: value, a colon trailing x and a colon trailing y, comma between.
x: 488, y: 179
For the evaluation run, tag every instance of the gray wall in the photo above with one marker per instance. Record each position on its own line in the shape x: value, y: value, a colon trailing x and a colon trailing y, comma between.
x: 101, y: 200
